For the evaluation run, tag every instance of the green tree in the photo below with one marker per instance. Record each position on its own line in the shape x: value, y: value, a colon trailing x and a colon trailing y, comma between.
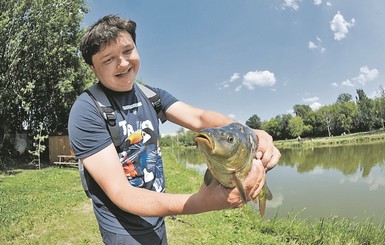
x: 366, y: 116
x: 346, y: 112
x: 324, y: 116
x: 41, y: 71
x: 296, y: 126
x: 302, y: 111
x: 278, y: 127
x: 379, y: 107
x: 254, y: 122
x: 344, y: 97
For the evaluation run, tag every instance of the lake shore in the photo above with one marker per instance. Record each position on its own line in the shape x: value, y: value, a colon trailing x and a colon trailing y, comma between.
x: 347, y: 139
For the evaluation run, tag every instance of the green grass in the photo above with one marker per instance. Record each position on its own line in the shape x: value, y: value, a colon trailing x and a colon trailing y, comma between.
x: 45, y: 207
x: 49, y: 207
x: 349, y: 139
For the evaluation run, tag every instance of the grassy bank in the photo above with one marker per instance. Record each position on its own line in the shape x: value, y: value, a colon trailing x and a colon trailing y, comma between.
x: 348, y: 139
x: 49, y: 207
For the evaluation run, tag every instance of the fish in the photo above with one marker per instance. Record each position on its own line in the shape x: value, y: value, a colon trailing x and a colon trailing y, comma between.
x: 229, y: 152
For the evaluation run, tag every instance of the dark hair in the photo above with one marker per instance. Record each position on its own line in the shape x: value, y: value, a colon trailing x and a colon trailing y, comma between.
x: 102, y: 32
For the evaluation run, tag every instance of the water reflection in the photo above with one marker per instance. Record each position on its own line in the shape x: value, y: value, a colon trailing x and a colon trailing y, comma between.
x: 346, y: 181
x: 347, y: 159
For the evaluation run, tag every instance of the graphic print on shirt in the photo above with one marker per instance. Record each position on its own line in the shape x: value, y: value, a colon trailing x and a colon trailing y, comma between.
x: 140, y: 160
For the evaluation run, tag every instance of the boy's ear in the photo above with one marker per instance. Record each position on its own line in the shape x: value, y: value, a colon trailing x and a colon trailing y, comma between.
x: 92, y: 68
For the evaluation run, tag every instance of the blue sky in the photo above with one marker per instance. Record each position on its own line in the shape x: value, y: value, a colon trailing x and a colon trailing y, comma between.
x: 246, y: 57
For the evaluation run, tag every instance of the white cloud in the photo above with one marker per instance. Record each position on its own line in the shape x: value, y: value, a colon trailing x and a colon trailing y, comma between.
x: 340, y: 26
x: 232, y: 79
x: 377, y: 93
x: 315, y: 106
x: 319, y: 2
x: 366, y: 75
x: 311, y: 99
x: 316, y: 45
x: 250, y: 80
x: 290, y: 4
x: 258, y: 78
x: 347, y: 83
x: 312, y: 45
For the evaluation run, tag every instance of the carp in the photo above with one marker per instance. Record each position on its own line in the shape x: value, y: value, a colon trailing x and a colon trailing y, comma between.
x: 229, y: 153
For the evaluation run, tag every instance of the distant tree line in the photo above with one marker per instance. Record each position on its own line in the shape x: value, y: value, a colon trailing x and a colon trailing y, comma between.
x: 343, y: 117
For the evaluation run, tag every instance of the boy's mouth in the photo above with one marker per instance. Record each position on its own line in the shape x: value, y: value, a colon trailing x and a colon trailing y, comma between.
x: 123, y: 73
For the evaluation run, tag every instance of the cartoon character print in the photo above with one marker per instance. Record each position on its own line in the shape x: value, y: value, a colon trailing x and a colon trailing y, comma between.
x: 140, y: 160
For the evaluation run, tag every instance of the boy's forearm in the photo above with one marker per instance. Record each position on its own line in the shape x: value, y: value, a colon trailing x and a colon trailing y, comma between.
x: 150, y: 203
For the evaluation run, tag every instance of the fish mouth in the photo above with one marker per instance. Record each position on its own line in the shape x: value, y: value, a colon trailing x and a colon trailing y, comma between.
x: 204, y: 139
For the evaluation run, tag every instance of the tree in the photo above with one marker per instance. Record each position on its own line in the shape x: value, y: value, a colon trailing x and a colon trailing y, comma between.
x: 379, y: 107
x: 296, y: 126
x: 41, y: 71
x: 302, y: 110
x: 278, y: 127
x: 38, y: 144
x: 254, y: 122
x: 344, y: 97
x: 346, y: 112
x: 326, y: 117
x: 366, y: 116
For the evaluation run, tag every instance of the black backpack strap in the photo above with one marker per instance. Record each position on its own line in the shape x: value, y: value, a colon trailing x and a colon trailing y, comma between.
x: 155, y: 101
x: 107, y: 110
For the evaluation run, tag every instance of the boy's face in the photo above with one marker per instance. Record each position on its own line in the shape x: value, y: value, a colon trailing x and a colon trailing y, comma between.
x: 117, y: 63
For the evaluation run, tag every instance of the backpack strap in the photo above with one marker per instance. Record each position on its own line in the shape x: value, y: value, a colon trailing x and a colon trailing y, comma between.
x: 155, y: 101
x: 107, y: 110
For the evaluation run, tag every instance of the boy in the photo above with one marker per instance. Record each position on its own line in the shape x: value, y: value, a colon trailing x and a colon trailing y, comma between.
x: 129, y: 205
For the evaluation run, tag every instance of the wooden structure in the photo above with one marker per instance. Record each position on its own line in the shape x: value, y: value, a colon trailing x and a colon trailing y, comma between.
x: 60, y: 151
x: 66, y: 159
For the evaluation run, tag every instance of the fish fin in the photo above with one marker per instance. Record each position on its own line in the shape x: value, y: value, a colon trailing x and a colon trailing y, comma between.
x: 208, y: 177
x: 262, y: 205
x: 241, y: 189
x: 269, y: 195
x: 262, y: 197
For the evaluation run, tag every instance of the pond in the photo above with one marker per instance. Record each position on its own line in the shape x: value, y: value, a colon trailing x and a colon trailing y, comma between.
x: 345, y: 181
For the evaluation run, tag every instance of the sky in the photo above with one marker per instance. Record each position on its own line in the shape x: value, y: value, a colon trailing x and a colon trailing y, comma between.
x: 256, y: 57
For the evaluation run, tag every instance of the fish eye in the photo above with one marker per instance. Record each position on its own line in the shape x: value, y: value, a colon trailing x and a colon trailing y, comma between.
x: 230, y: 139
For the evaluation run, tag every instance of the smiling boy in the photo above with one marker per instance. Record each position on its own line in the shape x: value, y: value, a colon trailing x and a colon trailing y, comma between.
x: 127, y: 183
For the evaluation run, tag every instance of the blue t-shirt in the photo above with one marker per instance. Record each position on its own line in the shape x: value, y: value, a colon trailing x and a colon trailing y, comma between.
x: 140, y: 154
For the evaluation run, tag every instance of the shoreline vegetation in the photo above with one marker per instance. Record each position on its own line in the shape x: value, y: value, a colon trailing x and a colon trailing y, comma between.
x: 48, y: 206
x: 346, y: 139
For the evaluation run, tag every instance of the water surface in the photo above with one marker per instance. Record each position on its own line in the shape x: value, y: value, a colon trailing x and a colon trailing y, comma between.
x: 345, y: 181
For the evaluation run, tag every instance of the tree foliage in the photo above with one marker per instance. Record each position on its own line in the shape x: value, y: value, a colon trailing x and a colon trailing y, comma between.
x: 41, y: 71
x: 344, y: 116
x: 254, y: 122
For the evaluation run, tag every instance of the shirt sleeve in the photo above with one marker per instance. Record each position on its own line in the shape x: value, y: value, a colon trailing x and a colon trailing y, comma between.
x: 87, y: 129
x: 166, y: 98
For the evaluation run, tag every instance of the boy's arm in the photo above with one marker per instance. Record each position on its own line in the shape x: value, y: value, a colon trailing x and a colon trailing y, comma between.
x: 106, y: 170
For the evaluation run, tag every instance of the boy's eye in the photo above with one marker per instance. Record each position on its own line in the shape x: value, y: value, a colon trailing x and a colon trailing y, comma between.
x: 107, y: 61
x: 128, y: 51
